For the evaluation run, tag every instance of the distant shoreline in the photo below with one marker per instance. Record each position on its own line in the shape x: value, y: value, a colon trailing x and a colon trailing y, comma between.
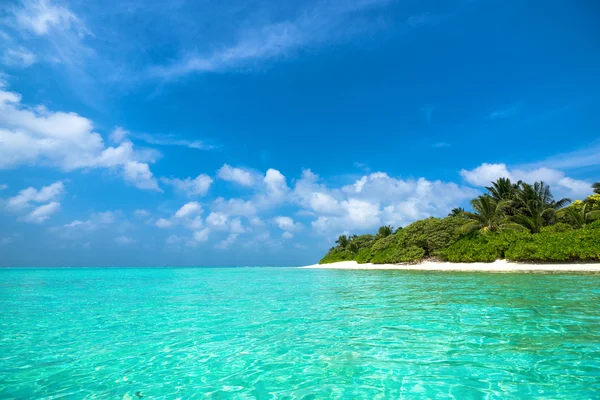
x: 498, y: 266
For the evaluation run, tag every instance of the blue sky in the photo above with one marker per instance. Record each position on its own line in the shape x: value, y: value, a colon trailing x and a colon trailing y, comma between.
x: 138, y: 133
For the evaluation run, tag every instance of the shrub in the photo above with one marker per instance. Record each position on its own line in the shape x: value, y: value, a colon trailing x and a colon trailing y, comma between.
x: 363, y: 256
x: 433, y: 234
x: 337, y: 254
x: 558, y: 227
x: 579, y: 245
x: 483, y: 247
x: 396, y: 254
x: 472, y: 250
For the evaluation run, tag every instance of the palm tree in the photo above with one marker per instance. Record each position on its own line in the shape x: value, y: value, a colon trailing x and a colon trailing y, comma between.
x: 488, y: 216
x: 596, y: 187
x: 456, y: 212
x: 536, y: 206
x: 504, y: 189
x: 580, y: 218
x: 385, y: 231
x: 342, y: 241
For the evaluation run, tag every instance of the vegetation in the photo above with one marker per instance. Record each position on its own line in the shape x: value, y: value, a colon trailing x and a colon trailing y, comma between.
x: 516, y: 221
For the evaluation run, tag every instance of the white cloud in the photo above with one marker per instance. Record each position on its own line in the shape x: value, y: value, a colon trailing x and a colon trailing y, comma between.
x: 119, y: 134
x: 140, y: 176
x: 287, y: 223
x: 238, y: 175
x: 217, y: 220
x: 560, y: 184
x: 42, y: 213
x: 202, y: 235
x: 484, y: 174
x: 37, y: 136
x: 18, y: 57
x: 41, y: 16
x: 374, y: 200
x: 141, y: 213
x: 172, y: 140
x: 163, y: 223
x: 198, y: 186
x: 287, y: 235
x: 224, y: 244
x: 3, y: 187
x: 32, y: 195
x: 77, y: 228
x: 326, y: 22
x: 234, y: 206
x: 124, y: 240
x: 188, y: 210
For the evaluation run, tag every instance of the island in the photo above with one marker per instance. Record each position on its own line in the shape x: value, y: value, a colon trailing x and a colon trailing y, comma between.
x: 514, y: 226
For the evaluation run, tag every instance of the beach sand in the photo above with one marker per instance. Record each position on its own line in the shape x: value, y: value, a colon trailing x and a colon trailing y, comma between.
x: 497, y: 266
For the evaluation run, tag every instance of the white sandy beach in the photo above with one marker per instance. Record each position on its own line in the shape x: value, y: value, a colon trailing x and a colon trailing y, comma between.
x: 497, y: 266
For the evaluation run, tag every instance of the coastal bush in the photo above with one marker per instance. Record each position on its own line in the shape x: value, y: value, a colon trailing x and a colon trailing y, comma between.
x: 432, y: 234
x: 573, y: 245
x: 363, y: 256
x: 396, y: 254
x: 558, y: 227
x: 336, y: 255
x: 483, y: 247
x: 472, y: 250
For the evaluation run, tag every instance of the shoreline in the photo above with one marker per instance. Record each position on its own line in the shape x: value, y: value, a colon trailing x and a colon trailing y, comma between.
x: 497, y: 266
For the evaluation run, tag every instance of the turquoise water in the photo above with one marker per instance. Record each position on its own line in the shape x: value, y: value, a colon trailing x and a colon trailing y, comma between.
x: 265, y: 333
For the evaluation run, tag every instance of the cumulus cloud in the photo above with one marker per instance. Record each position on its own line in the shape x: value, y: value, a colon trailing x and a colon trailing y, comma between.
x: 188, y: 210
x: 119, y: 134
x: 66, y: 140
x: 163, y: 223
x: 234, y: 206
x: 77, y: 228
x: 561, y: 184
x: 141, y: 213
x: 238, y: 175
x: 42, y: 213
x: 31, y: 195
x: 374, y: 200
x: 202, y: 235
x: 287, y: 223
x: 224, y: 244
x: 197, y: 186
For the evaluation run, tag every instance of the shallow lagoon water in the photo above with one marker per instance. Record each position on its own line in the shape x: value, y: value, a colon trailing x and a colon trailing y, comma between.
x: 265, y: 333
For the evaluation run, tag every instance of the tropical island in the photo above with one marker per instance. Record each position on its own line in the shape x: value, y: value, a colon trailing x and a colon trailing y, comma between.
x: 516, y: 222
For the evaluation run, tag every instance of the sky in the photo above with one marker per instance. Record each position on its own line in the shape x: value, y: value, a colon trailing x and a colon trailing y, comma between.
x: 205, y: 133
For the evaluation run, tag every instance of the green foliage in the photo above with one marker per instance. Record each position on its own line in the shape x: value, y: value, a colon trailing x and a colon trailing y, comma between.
x: 573, y: 245
x: 593, y: 201
x: 456, y: 212
x: 431, y: 234
x: 516, y: 221
x: 483, y: 247
x: 489, y: 215
x: 396, y: 254
x: 363, y: 256
x: 385, y: 231
x: 558, y: 227
x: 596, y: 187
x: 336, y: 255
x: 472, y: 249
x: 536, y: 206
